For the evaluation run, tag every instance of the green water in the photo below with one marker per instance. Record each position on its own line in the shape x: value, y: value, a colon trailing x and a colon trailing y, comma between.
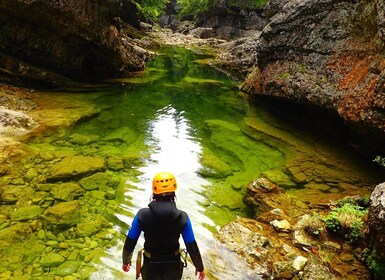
x: 182, y: 116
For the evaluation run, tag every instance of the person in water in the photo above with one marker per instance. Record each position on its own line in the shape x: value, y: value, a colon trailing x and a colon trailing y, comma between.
x: 162, y: 223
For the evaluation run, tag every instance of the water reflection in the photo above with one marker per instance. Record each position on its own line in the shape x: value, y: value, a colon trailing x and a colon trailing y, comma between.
x: 176, y: 150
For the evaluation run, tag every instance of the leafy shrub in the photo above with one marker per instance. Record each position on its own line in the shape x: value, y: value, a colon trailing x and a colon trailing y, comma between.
x: 380, y: 160
x: 151, y: 9
x: 192, y: 9
x: 347, y: 221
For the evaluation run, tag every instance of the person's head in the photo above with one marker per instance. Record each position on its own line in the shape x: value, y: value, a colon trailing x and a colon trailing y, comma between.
x: 164, y: 186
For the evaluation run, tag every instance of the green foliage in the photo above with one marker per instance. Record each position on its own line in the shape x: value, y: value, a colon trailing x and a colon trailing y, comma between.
x: 380, y: 160
x: 151, y: 9
x: 376, y: 265
x: 192, y: 9
x: 347, y: 220
x: 247, y: 4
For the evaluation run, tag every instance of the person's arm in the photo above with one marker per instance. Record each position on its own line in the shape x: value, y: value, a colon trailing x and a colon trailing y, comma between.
x: 130, y: 243
x: 192, y: 249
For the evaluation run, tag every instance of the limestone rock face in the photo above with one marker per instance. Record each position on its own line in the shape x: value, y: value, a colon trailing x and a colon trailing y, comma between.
x: 376, y: 221
x: 52, y: 42
x: 325, y: 53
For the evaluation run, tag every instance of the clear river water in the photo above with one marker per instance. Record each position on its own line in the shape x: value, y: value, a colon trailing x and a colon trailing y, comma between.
x: 179, y: 115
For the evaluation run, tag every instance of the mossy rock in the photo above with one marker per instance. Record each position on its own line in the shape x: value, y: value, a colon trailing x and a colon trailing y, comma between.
x: 65, y: 213
x: 67, y: 268
x: 26, y: 213
x: 100, y: 181
x: 52, y: 260
x: 67, y: 191
x: 74, y: 166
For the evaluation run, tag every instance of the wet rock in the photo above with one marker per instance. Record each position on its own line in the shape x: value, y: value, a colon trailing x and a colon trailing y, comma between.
x: 307, y: 53
x: 80, y: 139
x: 67, y: 268
x: 115, y: 163
x: 214, y: 167
x: 65, y: 213
x: 74, y: 166
x: 26, y: 213
x: 52, y: 260
x: 97, y: 44
x: 263, y: 196
x: 314, y: 271
x: 284, y: 270
x: 19, y: 230
x: 123, y: 134
x: 67, y: 191
x: 376, y: 223
x: 11, y: 194
x: 30, y: 175
x: 281, y: 226
x: 14, y: 121
x: 299, y: 263
x: 99, y: 181
x: 92, y: 227
x: 251, y: 245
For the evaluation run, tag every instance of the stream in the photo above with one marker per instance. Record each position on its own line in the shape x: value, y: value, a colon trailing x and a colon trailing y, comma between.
x: 179, y: 115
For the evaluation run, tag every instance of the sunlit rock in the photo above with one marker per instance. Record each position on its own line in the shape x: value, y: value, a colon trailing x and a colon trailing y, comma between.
x: 284, y: 270
x: 67, y: 268
x: 251, y: 245
x: 214, y: 167
x: 317, y: 271
x: 74, y: 166
x: 52, y: 260
x: 19, y: 230
x: 100, y: 181
x: 91, y: 227
x: 31, y: 174
x: 281, y: 226
x: 299, y: 263
x: 14, y: 121
x: 65, y: 213
x: 26, y: 213
x: 11, y: 194
x: 67, y: 191
x: 80, y: 139
x: 263, y: 196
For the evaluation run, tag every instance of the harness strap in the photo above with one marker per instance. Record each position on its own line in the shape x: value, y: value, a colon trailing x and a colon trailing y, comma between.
x: 139, y: 263
x: 161, y: 256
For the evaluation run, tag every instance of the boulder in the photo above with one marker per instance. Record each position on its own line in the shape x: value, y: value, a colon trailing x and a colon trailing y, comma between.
x: 263, y: 196
x: 99, y: 181
x: 64, y: 213
x: 67, y: 191
x: 251, y: 245
x: 26, y: 213
x: 75, y: 166
x: 52, y: 260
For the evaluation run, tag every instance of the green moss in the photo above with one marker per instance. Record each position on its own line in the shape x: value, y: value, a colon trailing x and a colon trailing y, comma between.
x: 347, y: 221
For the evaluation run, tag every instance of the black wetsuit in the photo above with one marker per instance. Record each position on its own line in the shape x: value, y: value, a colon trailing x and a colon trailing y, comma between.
x: 162, y: 224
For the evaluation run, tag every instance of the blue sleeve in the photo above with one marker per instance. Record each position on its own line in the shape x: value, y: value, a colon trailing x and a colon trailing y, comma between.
x: 135, y: 230
x: 188, y: 234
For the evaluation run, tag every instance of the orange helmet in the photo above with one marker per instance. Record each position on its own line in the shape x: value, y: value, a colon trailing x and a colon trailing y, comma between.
x: 164, y: 182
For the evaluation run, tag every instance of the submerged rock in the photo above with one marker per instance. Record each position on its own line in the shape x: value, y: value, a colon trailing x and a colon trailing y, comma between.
x: 65, y: 213
x: 74, y: 166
